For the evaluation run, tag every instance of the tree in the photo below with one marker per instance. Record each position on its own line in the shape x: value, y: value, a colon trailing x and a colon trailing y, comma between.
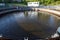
x: 31, y: 0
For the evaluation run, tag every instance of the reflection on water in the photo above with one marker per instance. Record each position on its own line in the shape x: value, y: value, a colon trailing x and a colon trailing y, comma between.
x: 39, y: 24
x: 35, y: 23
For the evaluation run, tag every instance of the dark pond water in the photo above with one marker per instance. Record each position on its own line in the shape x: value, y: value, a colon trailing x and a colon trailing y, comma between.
x: 32, y: 24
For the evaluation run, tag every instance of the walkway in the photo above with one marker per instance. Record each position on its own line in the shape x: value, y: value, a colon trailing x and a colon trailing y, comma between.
x: 48, y: 10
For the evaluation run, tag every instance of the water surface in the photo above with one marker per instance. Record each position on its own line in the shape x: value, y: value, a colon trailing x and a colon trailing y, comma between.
x: 21, y: 24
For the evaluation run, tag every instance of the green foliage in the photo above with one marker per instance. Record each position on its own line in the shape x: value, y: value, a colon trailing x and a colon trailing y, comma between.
x: 42, y: 2
x: 31, y: 0
x: 0, y: 0
x: 47, y: 2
